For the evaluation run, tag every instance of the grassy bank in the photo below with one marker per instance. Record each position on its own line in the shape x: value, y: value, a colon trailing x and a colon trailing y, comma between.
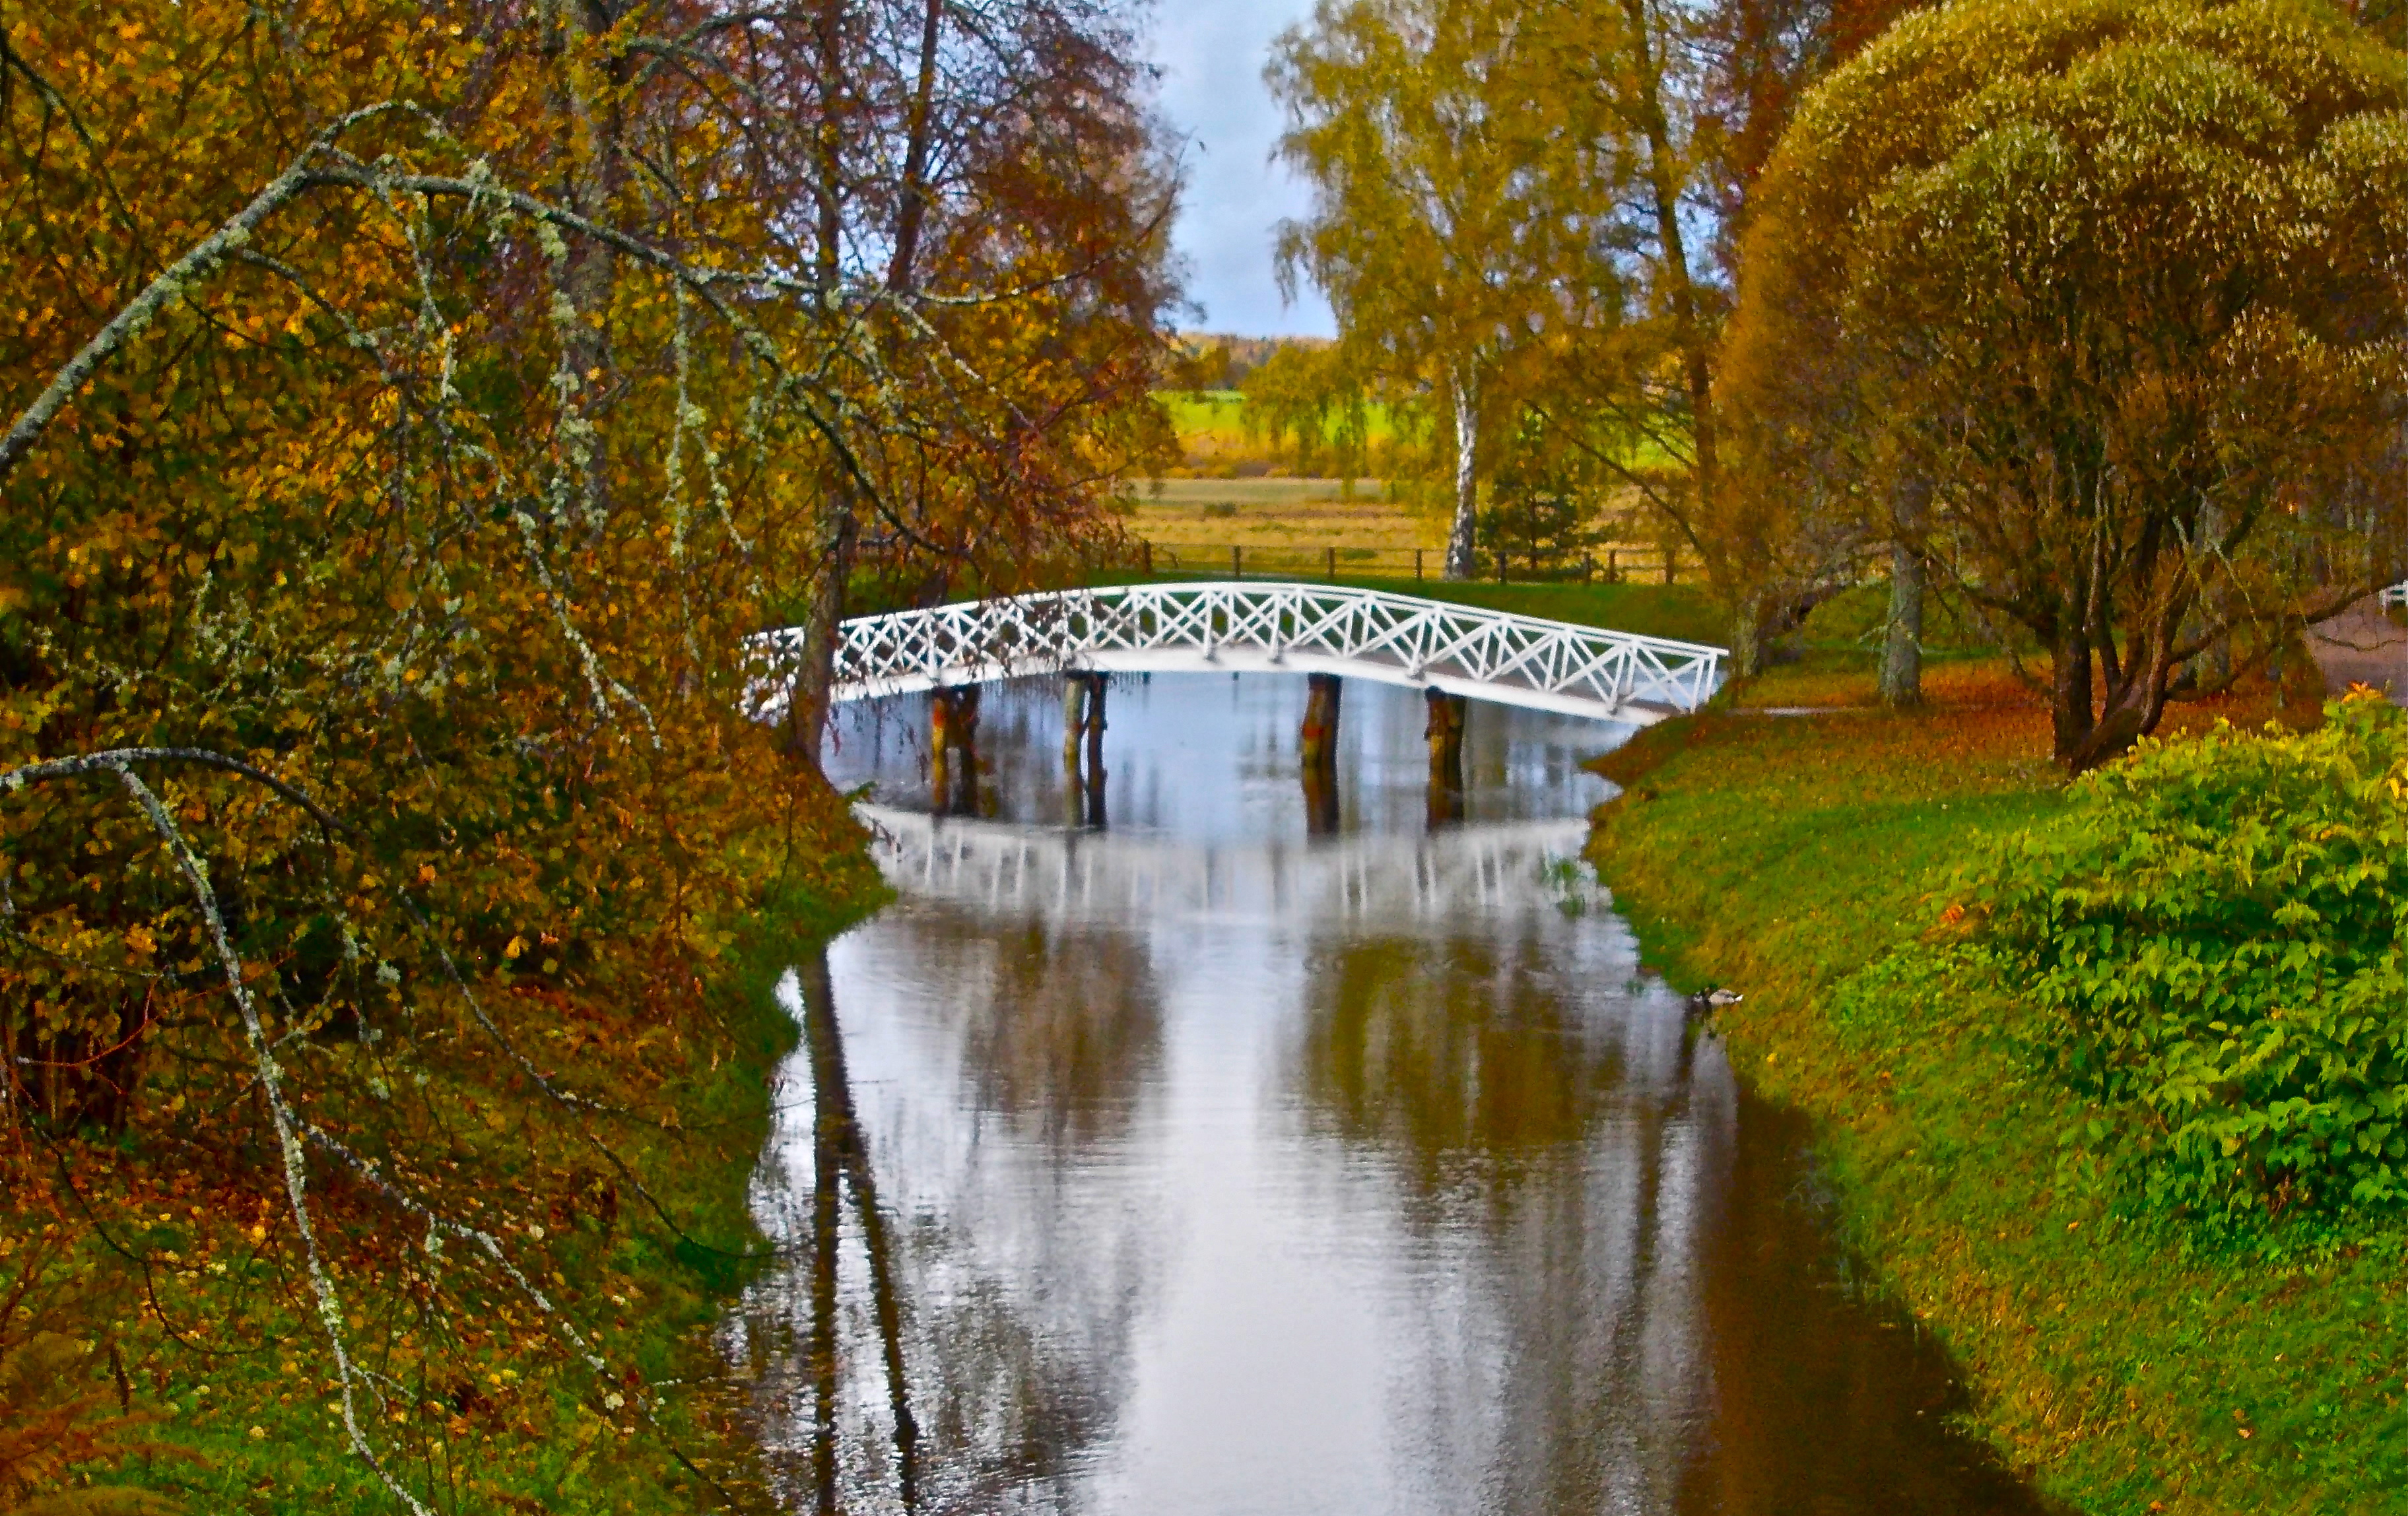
x: 2126, y: 1363
x: 194, y: 1372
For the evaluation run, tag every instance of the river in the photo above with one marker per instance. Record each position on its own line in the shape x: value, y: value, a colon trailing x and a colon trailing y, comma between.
x: 1206, y: 1165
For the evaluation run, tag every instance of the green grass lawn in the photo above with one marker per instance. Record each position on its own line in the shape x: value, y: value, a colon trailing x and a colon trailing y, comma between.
x: 2126, y: 1363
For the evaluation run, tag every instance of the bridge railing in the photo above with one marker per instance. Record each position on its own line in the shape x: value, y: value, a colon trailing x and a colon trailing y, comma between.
x: 1468, y: 649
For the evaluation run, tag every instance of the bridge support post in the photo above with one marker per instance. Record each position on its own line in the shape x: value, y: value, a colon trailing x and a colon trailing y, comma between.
x: 1075, y: 688
x: 940, y: 750
x: 1444, y: 731
x: 1317, y: 747
x: 1094, y: 733
x: 1317, y: 740
x: 1074, y: 717
x: 953, y: 751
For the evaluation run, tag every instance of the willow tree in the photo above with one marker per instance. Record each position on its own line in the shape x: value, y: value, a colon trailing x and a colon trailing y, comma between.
x: 1464, y: 199
x: 2123, y: 285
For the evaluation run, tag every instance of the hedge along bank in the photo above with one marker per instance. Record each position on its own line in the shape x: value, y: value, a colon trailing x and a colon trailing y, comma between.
x: 2027, y: 1128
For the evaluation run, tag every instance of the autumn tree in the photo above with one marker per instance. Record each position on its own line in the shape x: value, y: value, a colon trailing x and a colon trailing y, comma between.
x: 2116, y: 287
x: 414, y: 418
x: 1304, y: 396
x: 1462, y: 194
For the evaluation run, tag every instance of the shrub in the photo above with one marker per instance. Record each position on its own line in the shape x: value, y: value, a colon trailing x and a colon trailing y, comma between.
x: 2209, y: 937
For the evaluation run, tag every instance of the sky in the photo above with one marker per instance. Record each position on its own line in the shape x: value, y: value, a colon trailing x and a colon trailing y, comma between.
x: 1211, y: 55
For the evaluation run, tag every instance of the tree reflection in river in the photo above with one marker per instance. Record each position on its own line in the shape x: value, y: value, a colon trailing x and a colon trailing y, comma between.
x: 1225, y: 1164
x: 1545, y: 1155
x: 1012, y: 1340
x: 1613, y: 1240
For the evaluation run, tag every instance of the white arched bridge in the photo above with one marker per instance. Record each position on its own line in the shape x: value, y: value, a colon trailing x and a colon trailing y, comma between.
x: 1275, y: 628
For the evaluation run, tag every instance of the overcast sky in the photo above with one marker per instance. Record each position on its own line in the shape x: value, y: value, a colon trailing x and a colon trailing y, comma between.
x: 1212, y: 53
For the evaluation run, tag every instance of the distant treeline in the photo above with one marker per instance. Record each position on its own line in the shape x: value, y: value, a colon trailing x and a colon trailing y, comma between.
x: 1221, y: 361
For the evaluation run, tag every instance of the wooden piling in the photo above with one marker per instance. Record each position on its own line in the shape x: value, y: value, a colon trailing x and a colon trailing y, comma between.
x: 963, y: 731
x: 1074, y: 717
x: 1317, y: 740
x: 1444, y: 731
x: 940, y: 745
x: 1095, y: 730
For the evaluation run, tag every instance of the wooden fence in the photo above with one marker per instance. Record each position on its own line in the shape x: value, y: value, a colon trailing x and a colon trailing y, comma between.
x: 1635, y: 565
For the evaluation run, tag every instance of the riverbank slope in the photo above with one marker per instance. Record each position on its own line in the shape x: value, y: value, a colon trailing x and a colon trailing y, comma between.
x: 2126, y: 1366
x: 190, y: 1372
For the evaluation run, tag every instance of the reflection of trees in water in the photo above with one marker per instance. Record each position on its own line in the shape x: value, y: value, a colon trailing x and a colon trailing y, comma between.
x: 1436, y: 1050
x: 1005, y: 1292
x: 1798, y: 1352
x: 1067, y: 1033
x: 1632, y: 1300
x: 1549, y: 1161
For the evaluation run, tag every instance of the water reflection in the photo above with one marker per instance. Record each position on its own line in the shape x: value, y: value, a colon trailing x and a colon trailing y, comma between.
x: 1213, y: 1163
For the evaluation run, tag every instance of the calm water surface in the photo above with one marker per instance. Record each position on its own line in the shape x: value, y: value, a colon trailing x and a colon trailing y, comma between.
x: 1205, y: 1166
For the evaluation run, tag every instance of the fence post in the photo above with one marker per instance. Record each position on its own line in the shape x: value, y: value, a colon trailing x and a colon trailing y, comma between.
x: 1671, y: 560
x: 1329, y: 563
x: 1149, y: 560
x: 1237, y: 562
x: 1417, y: 565
x: 1612, y: 566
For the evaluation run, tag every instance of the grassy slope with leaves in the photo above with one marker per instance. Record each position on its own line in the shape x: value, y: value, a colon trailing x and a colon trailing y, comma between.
x: 249, y: 1429
x: 2129, y: 1366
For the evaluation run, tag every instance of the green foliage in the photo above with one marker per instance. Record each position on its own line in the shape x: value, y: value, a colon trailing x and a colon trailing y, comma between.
x: 2127, y: 1361
x: 2211, y: 934
x: 2100, y: 307
x: 1305, y: 398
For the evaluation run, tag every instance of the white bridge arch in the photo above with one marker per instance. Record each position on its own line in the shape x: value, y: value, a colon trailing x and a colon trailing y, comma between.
x: 1272, y: 626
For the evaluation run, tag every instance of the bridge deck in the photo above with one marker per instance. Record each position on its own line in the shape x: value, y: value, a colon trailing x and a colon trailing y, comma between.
x: 1269, y: 626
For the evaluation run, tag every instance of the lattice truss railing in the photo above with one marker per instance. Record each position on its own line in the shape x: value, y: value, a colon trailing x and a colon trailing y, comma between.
x: 1492, y: 654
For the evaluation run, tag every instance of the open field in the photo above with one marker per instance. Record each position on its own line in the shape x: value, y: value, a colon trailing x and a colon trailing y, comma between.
x: 1211, y: 423
x: 1292, y: 525
x: 1280, y: 513
x: 1212, y: 432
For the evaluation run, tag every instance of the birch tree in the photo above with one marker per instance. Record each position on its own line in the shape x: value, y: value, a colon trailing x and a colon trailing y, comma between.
x: 1463, y: 200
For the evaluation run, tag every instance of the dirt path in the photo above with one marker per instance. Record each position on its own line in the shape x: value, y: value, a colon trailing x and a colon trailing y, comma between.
x: 2360, y: 646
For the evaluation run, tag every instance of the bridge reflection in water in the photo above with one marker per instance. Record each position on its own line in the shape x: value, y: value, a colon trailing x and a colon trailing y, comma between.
x: 1218, y: 1167
x: 1497, y: 872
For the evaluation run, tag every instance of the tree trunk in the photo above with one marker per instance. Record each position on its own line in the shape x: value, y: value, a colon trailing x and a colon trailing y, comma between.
x: 2070, y: 715
x: 838, y: 1151
x: 1747, y: 634
x: 1902, y: 673
x: 1459, y: 541
x: 814, y: 677
x: 588, y: 275
x: 914, y: 203
x: 2215, y: 662
x: 1666, y: 177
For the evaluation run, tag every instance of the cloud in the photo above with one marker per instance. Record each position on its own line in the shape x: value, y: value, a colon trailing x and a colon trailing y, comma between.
x: 1211, y: 55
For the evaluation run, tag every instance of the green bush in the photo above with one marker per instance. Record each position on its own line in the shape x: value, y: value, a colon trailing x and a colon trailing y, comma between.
x: 2209, y: 938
